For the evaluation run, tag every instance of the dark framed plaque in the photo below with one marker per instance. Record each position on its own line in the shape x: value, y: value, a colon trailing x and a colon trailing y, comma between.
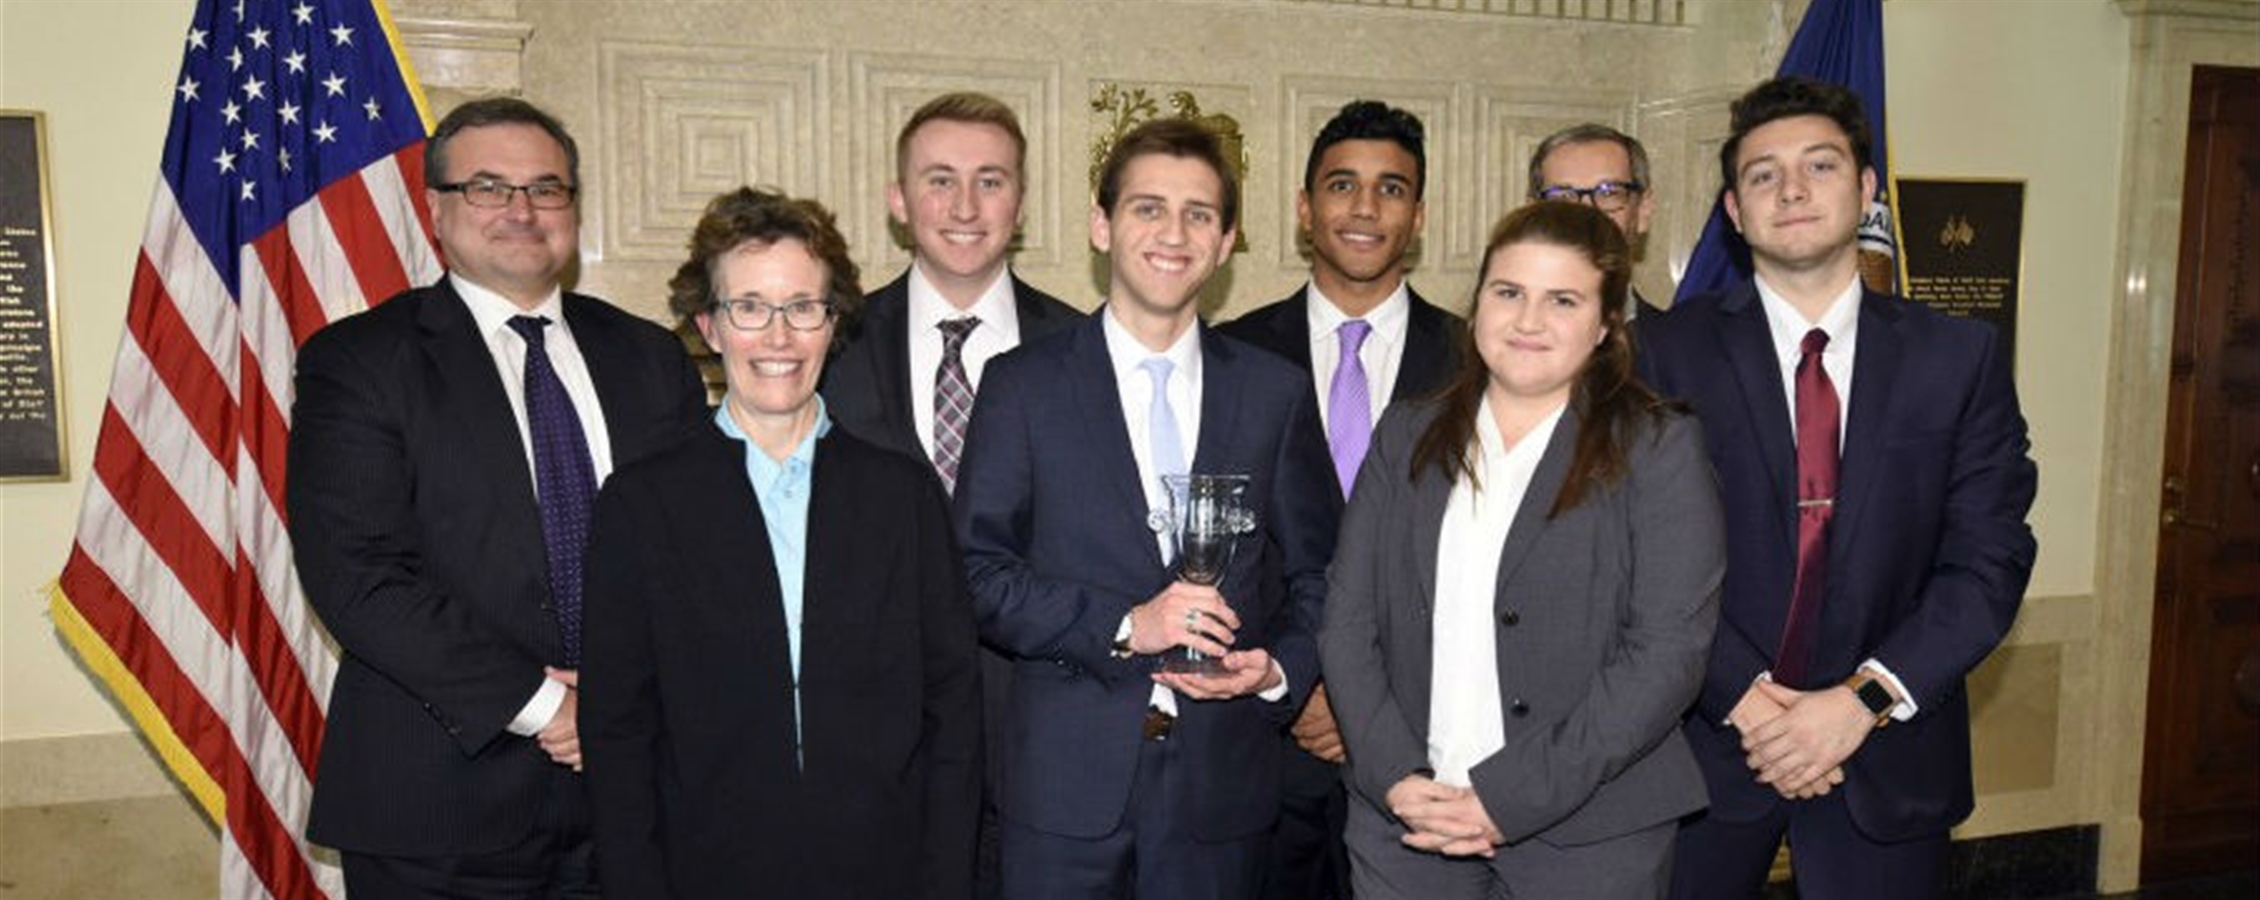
x: 32, y: 439
x: 1961, y: 247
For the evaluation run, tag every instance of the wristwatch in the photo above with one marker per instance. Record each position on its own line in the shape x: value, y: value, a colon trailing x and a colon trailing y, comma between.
x: 1873, y: 695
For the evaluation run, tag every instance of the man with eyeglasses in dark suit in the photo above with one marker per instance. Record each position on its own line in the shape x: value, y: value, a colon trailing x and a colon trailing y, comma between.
x: 445, y: 454
x: 1600, y: 166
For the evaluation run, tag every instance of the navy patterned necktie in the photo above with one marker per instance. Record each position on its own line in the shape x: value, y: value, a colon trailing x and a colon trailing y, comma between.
x: 564, y: 481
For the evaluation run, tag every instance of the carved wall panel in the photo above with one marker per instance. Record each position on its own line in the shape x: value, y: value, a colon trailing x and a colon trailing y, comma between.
x: 678, y: 124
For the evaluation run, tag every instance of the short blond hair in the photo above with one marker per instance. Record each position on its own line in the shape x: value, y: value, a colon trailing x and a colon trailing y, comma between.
x: 972, y: 108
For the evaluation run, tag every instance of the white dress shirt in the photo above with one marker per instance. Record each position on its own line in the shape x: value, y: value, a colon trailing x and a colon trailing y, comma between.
x: 1841, y: 321
x: 1465, y: 724
x: 998, y: 332
x: 1382, y: 354
x: 492, y: 314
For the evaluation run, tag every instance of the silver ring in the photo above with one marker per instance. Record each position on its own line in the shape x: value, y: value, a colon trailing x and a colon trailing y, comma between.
x: 1192, y: 619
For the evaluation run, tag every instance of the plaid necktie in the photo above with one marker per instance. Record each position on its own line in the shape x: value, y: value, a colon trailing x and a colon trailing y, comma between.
x: 953, y: 399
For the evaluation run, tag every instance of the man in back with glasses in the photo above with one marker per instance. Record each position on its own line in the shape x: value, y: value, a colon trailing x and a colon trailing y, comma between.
x: 1604, y: 167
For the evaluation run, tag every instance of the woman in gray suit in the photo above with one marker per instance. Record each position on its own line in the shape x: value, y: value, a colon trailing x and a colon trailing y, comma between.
x: 1523, y: 597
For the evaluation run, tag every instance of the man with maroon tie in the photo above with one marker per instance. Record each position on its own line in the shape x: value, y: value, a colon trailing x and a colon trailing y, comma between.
x: 1875, y: 473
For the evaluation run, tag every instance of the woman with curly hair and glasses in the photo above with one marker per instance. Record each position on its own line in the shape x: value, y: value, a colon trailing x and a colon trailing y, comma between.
x: 780, y: 695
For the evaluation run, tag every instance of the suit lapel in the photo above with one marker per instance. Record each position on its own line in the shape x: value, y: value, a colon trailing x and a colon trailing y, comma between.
x: 1037, y: 318
x: 890, y: 324
x: 1091, y: 377
x: 1290, y: 330
x: 1875, y: 370
x: 611, y: 369
x: 478, y: 414
x: 1748, y: 342
x: 1428, y: 350
x: 1432, y: 492
x: 1537, y: 499
x: 1220, y: 405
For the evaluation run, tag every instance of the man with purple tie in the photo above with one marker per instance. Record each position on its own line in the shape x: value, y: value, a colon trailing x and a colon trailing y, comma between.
x: 446, y: 448
x: 1876, y: 478
x: 1366, y: 339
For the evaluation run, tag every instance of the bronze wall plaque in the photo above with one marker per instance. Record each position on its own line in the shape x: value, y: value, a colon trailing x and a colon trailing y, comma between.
x: 1961, y: 248
x: 31, y: 389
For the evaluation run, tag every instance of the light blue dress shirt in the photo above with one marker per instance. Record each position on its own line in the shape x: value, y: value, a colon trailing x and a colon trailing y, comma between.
x: 783, y: 489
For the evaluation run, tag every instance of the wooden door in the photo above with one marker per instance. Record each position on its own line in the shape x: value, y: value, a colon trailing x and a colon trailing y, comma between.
x: 2201, y: 769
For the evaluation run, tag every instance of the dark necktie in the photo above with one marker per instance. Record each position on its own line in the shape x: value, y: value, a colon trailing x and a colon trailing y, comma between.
x: 1349, y: 406
x: 953, y: 399
x: 1816, y: 506
x: 564, y: 481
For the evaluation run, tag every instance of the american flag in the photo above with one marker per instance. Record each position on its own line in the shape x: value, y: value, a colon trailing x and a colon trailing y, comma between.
x: 291, y: 194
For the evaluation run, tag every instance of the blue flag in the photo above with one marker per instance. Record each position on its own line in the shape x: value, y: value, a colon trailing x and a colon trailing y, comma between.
x: 1840, y: 41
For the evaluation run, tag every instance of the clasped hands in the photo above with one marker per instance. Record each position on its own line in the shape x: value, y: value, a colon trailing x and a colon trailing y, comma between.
x: 561, y: 738
x: 1193, y: 615
x: 1442, y: 818
x: 1797, y: 741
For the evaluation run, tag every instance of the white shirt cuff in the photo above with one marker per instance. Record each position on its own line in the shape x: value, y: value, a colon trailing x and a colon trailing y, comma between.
x: 1906, y: 708
x: 537, y: 712
x: 1278, y: 691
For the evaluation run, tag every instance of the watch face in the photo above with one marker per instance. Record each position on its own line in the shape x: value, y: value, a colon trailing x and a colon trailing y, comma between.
x: 1875, y: 697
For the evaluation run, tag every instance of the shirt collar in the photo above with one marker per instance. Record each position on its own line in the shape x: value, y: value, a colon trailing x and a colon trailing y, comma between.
x: 994, y: 307
x: 1128, y: 354
x: 1387, y: 318
x: 493, y: 312
x: 1789, y: 326
x: 763, y: 470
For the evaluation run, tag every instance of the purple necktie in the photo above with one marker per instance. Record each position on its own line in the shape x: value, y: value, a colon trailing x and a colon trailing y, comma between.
x: 953, y: 399
x: 564, y: 481
x: 1816, y: 506
x: 1349, y: 424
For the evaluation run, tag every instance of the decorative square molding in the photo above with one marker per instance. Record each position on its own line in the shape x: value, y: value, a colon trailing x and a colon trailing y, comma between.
x: 679, y: 124
x: 1506, y: 124
x: 883, y: 91
x: 1683, y: 134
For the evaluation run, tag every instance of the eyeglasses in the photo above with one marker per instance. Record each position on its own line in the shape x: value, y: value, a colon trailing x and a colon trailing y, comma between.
x: 1608, y: 196
x: 754, y: 315
x: 493, y: 193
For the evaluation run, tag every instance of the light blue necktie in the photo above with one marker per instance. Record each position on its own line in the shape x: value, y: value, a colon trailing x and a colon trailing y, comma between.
x: 1166, y: 448
x: 1161, y: 426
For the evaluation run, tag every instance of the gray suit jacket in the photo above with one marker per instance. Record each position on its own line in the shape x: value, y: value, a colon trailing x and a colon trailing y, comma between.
x: 1604, y: 621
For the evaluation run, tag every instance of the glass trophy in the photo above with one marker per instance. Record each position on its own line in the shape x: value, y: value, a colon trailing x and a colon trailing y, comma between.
x: 1207, y: 516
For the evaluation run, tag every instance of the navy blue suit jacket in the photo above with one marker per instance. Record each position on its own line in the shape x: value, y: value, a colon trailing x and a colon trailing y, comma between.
x: 1057, y: 549
x: 1929, y: 551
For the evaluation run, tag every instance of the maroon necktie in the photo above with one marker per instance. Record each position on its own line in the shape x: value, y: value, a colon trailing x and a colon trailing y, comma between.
x: 1816, y: 505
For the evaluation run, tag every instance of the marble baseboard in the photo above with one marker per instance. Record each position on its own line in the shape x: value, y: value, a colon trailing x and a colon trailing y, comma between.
x: 2047, y: 864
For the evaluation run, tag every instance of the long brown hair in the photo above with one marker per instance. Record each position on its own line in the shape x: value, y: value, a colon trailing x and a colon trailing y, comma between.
x: 1609, y: 398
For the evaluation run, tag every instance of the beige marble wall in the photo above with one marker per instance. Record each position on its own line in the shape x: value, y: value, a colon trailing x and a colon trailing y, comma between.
x: 676, y: 102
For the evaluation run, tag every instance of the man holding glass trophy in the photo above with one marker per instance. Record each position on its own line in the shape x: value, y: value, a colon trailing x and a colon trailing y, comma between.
x: 1147, y: 513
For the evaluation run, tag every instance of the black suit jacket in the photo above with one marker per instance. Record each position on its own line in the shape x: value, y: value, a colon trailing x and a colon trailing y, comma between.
x: 1928, y: 550
x: 867, y: 388
x: 1431, y: 347
x: 687, y: 711
x: 419, y: 543
x: 1058, y: 547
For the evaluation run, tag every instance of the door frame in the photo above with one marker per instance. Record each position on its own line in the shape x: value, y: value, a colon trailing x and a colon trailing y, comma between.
x: 2169, y: 39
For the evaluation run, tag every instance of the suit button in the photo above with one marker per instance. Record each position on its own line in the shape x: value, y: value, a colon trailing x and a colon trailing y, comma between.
x: 1510, y: 618
x: 1519, y: 708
